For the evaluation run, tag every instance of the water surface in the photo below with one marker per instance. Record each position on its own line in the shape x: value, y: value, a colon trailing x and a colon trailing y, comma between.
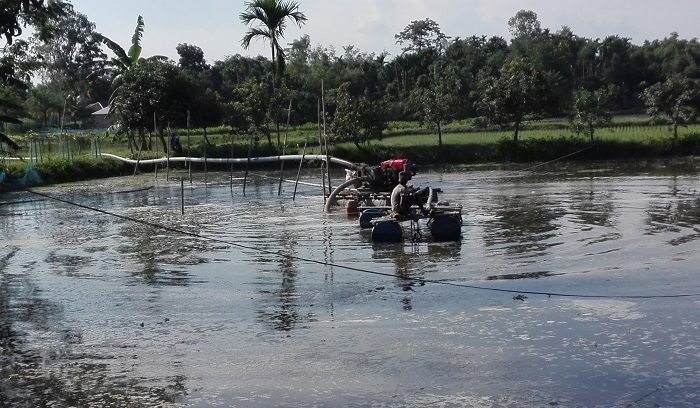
x: 569, y: 288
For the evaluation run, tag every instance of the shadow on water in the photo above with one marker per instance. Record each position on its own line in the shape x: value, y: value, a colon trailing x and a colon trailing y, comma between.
x: 56, y: 373
x: 524, y: 275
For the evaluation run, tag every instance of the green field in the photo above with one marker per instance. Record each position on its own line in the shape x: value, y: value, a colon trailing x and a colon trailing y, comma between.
x: 76, y: 156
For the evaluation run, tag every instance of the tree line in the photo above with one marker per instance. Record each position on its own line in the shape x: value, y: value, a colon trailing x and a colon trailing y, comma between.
x: 435, y: 80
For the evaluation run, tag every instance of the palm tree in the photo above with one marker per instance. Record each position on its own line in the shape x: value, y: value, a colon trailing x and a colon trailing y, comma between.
x: 271, y: 16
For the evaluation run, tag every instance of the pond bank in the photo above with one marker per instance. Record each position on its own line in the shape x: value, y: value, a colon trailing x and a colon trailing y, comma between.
x: 505, y: 155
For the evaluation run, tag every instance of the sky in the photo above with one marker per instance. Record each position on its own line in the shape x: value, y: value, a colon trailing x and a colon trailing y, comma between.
x: 370, y: 25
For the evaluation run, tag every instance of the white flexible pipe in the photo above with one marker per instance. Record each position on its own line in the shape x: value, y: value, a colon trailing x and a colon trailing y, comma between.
x: 356, y: 181
x: 243, y: 160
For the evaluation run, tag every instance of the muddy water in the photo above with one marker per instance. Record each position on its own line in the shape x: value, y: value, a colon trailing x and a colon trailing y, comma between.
x: 568, y: 289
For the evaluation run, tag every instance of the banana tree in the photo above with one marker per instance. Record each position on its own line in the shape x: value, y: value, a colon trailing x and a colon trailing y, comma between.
x: 123, y: 60
x: 122, y: 63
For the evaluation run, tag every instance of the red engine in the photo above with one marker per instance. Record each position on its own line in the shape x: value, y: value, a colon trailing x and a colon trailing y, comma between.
x: 396, y: 164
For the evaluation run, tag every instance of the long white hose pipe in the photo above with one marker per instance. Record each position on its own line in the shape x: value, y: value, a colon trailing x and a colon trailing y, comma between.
x: 267, y: 159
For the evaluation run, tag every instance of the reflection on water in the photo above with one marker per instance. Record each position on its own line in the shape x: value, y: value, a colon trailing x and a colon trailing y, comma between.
x: 41, y: 362
x: 525, y: 225
x: 679, y: 217
x: 251, y: 308
x: 592, y: 208
x: 279, y: 305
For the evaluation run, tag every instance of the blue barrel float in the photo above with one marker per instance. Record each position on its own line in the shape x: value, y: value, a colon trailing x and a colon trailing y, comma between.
x: 446, y: 227
x: 387, y: 231
x: 368, y: 215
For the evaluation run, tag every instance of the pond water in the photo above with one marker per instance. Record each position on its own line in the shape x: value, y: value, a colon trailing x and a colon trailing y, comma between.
x: 569, y: 288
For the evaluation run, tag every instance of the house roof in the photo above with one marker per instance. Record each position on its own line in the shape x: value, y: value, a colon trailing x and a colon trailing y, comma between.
x: 94, y: 107
x: 103, y: 111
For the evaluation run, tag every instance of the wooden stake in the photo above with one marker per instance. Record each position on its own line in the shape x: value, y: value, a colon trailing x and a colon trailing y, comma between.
x: 303, y: 152
x: 231, y: 172
x: 182, y: 195
x: 247, y: 164
x: 325, y: 138
x: 284, y: 146
x: 189, y: 155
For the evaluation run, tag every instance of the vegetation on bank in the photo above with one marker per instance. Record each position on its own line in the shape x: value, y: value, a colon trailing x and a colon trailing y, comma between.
x: 440, y: 80
x: 628, y: 139
x: 59, y: 170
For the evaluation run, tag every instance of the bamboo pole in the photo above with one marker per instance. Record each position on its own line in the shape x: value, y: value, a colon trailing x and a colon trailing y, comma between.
x: 299, y: 171
x: 182, y: 195
x: 189, y: 162
x: 247, y: 163
x: 325, y: 138
x: 320, y: 146
x: 284, y: 146
x: 138, y: 157
x: 167, y: 155
x: 231, y: 171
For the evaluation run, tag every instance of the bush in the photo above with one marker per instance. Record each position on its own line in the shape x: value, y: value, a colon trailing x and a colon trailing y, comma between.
x: 82, y: 168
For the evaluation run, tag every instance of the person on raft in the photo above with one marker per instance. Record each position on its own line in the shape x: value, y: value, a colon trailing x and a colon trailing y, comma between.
x: 402, y: 199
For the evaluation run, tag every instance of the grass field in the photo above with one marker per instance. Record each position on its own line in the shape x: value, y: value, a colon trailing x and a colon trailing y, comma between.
x: 539, y: 141
x: 618, y: 133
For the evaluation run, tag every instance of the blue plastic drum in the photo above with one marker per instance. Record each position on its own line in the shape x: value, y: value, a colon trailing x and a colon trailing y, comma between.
x: 368, y: 215
x: 446, y: 228
x: 387, y: 231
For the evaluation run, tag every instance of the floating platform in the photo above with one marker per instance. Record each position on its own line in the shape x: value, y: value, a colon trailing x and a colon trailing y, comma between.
x: 443, y: 222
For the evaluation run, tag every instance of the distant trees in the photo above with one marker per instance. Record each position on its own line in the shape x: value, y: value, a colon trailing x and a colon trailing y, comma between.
x: 67, y: 61
x: 677, y: 98
x: 592, y: 109
x: 191, y: 58
x: 422, y: 35
x: 435, y: 79
x: 153, y: 91
x: 524, y: 24
x: 357, y: 119
x: 36, y: 13
x: 206, y: 106
x: 14, y: 17
x: 436, y: 98
x: 516, y: 92
x: 68, y: 55
x: 249, y: 112
x: 42, y: 102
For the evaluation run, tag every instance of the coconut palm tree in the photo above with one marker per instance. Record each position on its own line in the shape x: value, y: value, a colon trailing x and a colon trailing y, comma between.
x: 269, y: 17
